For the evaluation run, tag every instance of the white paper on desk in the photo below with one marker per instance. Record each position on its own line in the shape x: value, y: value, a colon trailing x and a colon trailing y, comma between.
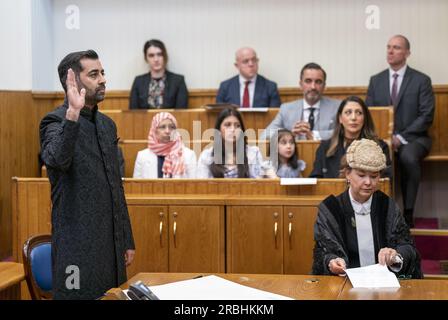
x: 211, y: 288
x: 253, y: 109
x: 297, y: 181
x: 374, y: 276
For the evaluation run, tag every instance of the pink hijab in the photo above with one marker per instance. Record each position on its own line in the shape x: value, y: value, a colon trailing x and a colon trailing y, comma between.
x: 172, y: 151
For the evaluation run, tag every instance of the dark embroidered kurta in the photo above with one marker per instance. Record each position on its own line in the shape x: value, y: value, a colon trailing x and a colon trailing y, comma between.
x: 335, y: 234
x: 90, y: 222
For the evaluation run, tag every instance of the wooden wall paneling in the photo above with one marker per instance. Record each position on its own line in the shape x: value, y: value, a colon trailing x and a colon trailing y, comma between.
x: 151, y: 253
x: 19, y: 147
x: 252, y: 246
x: 198, y: 244
x: 299, y: 243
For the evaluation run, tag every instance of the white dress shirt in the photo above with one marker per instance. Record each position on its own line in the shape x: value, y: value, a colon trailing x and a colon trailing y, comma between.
x: 251, y: 88
x: 400, y: 73
x: 364, y: 230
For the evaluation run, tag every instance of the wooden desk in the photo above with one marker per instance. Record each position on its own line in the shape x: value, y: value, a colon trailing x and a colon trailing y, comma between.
x: 11, y: 274
x: 300, y: 287
x: 135, y: 124
x: 308, y: 287
x: 220, y: 222
x: 409, y: 290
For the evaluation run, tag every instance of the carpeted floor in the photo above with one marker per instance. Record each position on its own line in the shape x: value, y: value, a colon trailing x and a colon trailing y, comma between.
x: 432, y: 249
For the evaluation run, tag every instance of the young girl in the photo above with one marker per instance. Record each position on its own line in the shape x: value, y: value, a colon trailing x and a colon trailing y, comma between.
x: 286, y: 164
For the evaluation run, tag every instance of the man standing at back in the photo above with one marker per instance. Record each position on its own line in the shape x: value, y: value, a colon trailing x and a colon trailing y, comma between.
x: 92, y: 240
x: 310, y: 118
x: 248, y: 89
x: 410, y: 92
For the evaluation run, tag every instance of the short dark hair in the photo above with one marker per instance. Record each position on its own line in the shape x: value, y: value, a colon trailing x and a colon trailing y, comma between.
x: 158, y: 44
x: 313, y: 65
x: 73, y: 61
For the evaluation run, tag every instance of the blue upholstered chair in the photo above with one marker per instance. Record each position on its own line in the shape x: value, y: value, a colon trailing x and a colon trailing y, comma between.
x: 37, y: 263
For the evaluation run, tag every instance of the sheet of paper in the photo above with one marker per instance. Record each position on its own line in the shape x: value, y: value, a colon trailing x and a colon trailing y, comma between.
x: 211, y: 288
x: 374, y: 276
x: 253, y: 109
x: 297, y: 181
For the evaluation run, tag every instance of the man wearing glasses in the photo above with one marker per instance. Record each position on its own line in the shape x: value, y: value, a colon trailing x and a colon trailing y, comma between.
x: 248, y: 89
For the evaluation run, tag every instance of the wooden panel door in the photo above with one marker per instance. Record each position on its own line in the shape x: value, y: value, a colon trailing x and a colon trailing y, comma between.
x: 254, y: 239
x: 298, y: 238
x: 150, y: 230
x: 196, y: 238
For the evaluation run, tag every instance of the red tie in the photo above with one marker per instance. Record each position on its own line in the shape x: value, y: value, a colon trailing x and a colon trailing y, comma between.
x: 246, y: 100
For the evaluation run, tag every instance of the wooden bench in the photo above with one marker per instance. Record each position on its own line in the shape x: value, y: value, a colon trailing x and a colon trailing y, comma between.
x: 135, y: 124
x: 11, y: 276
x: 130, y: 148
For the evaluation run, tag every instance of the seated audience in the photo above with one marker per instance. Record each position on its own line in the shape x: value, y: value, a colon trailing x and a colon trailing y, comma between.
x: 363, y: 226
x: 310, y: 118
x: 248, y: 89
x: 353, y: 122
x: 159, y: 88
x: 285, y: 162
x: 166, y: 155
x: 230, y: 156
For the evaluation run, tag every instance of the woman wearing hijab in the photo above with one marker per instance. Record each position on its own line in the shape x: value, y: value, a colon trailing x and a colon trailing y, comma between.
x: 166, y: 155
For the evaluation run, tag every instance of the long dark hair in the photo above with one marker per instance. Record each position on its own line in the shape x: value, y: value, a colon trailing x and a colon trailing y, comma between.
x: 367, y: 130
x: 158, y: 44
x: 292, y: 162
x: 217, y: 167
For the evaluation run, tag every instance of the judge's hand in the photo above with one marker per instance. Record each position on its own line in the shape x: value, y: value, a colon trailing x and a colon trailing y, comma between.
x: 303, y: 128
x: 396, y: 143
x: 129, y: 256
x: 337, y: 266
x: 76, y: 99
x: 386, y: 256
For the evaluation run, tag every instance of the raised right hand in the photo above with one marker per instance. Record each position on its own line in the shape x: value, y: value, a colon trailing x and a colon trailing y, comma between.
x: 76, y: 98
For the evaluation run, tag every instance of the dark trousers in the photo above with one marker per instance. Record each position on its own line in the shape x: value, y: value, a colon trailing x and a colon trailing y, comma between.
x: 410, y: 157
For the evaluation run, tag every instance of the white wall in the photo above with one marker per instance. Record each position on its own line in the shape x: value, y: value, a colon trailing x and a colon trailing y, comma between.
x: 42, y: 44
x: 15, y: 39
x: 202, y: 36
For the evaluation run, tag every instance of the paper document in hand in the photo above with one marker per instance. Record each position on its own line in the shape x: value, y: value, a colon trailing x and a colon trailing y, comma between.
x: 374, y: 276
x: 211, y: 288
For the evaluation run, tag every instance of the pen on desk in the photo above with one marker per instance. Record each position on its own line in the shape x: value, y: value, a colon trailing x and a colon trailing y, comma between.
x: 197, y: 277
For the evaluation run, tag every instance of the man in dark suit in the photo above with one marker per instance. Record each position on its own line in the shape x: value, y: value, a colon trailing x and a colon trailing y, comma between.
x: 248, y: 89
x: 410, y: 93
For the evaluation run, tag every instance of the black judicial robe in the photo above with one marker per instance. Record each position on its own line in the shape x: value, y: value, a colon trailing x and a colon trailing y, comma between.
x: 91, y: 229
x: 335, y: 234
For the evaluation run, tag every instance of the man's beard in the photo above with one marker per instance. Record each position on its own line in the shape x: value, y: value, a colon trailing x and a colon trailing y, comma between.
x: 94, y: 97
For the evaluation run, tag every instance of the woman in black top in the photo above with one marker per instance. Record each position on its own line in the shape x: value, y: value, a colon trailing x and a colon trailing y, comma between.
x: 159, y: 88
x: 353, y: 122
